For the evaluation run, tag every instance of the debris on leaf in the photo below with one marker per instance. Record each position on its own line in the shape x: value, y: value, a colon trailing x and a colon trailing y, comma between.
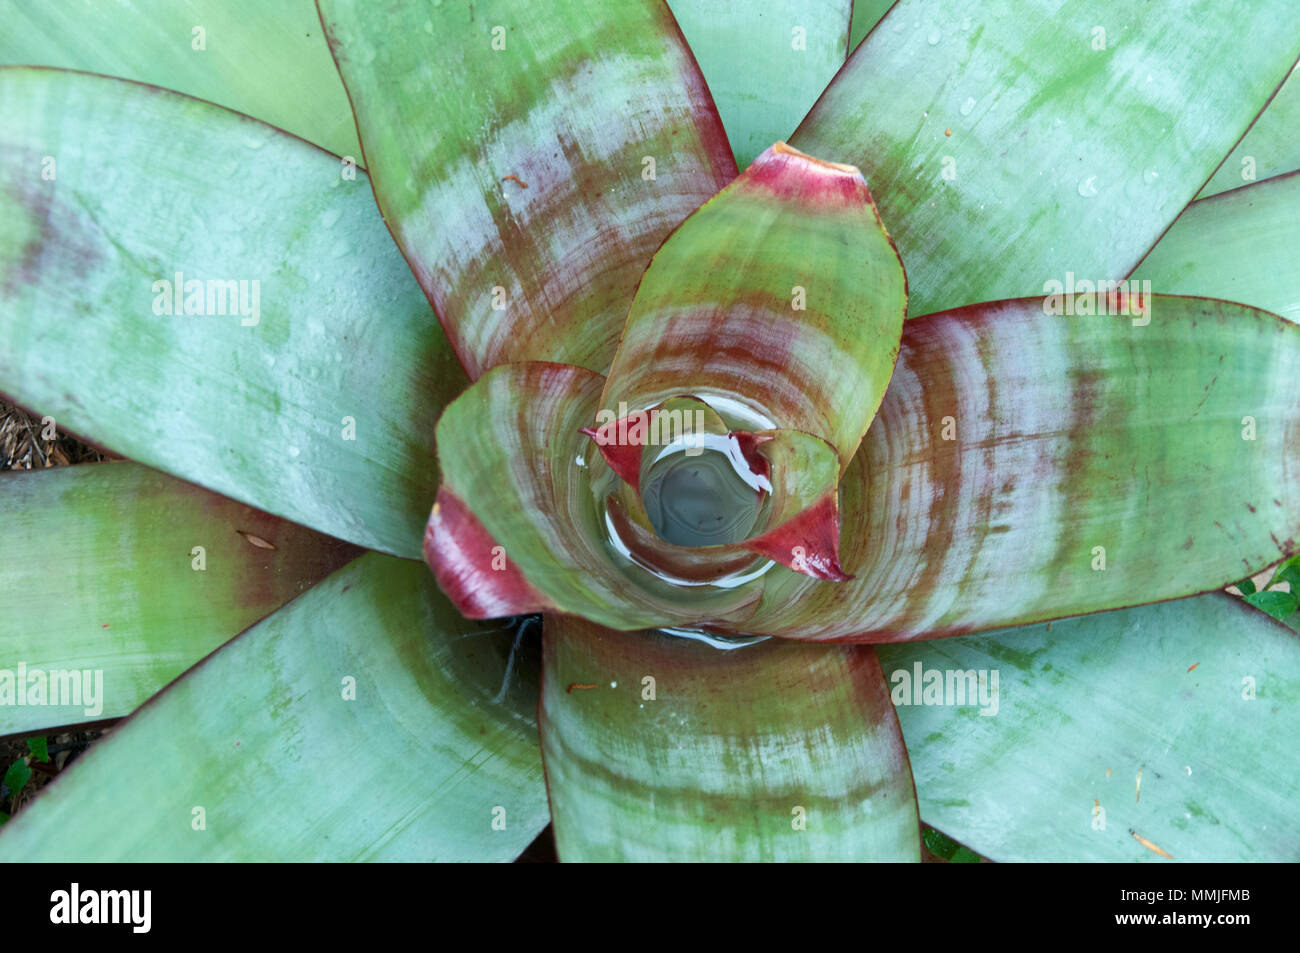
x: 257, y: 541
x: 1150, y: 846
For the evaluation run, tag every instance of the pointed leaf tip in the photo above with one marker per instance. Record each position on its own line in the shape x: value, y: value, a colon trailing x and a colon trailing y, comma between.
x: 809, y: 543
x: 623, y: 456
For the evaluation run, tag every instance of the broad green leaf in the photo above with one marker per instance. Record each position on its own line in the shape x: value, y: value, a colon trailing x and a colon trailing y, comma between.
x: 1169, y: 722
x: 119, y: 578
x: 269, y: 60
x: 1240, y: 245
x: 529, y: 160
x: 660, y: 748
x: 1280, y: 605
x: 766, y: 61
x: 519, y: 526
x: 1032, y: 137
x: 364, y: 721
x: 302, y: 371
x: 1270, y: 148
x: 1026, y: 466
x: 17, y: 776
x: 40, y: 748
x: 783, y: 295
x: 866, y: 14
x: 1288, y: 571
x: 939, y: 843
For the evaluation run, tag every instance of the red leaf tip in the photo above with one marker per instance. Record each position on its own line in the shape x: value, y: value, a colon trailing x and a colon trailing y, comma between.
x: 471, y: 567
x: 749, y: 442
x: 809, y: 543
x: 622, y: 455
x: 792, y: 175
x: 784, y: 148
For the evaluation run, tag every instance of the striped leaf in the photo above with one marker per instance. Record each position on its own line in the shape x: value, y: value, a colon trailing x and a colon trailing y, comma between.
x: 658, y: 748
x: 529, y: 162
x: 783, y: 295
x: 1028, y: 466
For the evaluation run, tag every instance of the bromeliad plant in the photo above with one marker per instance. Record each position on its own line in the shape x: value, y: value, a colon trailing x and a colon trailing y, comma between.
x: 694, y: 416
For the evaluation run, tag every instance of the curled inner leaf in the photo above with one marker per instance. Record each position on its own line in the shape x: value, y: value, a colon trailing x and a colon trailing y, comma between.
x: 782, y: 297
